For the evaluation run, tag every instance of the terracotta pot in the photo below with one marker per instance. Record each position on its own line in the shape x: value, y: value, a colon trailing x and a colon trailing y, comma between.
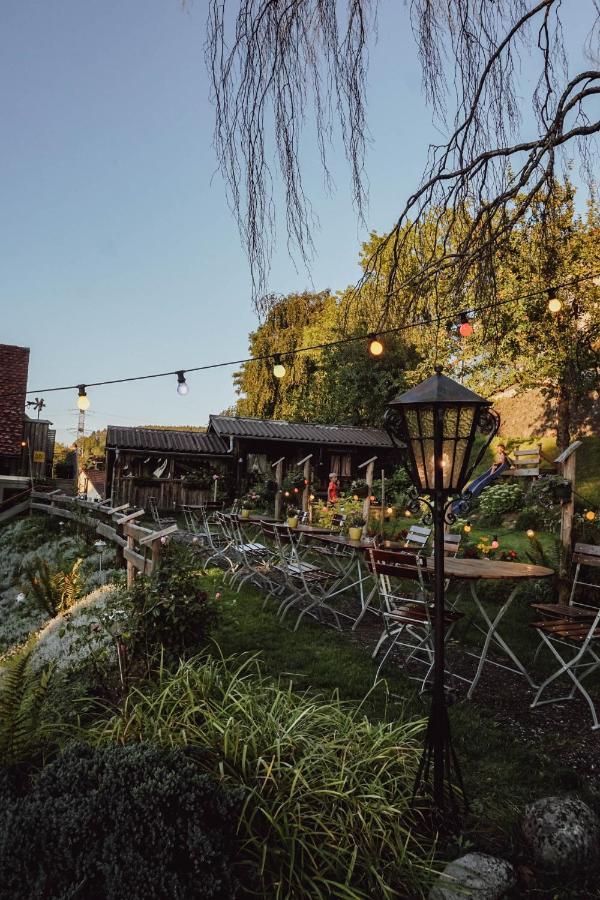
x: 355, y: 534
x: 292, y: 521
x: 245, y: 514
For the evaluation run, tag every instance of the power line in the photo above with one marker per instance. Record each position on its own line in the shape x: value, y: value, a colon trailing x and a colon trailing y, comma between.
x: 424, y: 322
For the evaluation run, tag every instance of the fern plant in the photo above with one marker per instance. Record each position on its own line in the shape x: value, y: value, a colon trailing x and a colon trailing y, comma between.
x: 54, y: 591
x: 23, y: 700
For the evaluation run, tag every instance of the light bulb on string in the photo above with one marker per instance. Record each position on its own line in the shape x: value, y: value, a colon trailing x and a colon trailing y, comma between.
x: 83, y: 401
x: 278, y: 367
x: 530, y: 533
x: 467, y: 527
x: 375, y: 345
x: 465, y: 328
x: 590, y: 515
x: 554, y: 304
x: 495, y: 543
x: 182, y: 385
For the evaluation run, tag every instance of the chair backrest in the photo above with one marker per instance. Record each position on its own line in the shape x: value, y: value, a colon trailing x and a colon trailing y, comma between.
x: 527, y: 462
x: 417, y: 536
x: 337, y: 521
x: 395, y: 563
x: 451, y: 544
x: 585, y: 555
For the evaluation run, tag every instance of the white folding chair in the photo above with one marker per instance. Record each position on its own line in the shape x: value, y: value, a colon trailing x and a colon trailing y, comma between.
x: 574, y: 645
x: 417, y: 536
x: 407, y: 619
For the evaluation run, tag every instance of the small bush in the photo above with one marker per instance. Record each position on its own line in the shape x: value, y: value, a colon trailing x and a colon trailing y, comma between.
x: 134, y: 822
x: 530, y: 517
x: 172, y: 612
x: 497, y: 500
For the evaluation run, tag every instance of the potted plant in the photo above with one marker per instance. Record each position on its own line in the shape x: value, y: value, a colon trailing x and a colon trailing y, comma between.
x: 292, y: 516
x: 355, y: 523
x: 248, y: 504
x: 360, y: 489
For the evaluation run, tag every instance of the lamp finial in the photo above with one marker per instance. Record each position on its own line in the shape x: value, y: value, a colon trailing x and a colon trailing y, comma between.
x: 438, y: 369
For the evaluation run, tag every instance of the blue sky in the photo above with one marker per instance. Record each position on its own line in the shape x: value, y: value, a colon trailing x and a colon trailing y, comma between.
x: 118, y: 253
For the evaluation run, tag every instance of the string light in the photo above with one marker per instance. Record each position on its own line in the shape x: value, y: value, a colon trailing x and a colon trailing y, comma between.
x: 375, y: 345
x: 467, y: 527
x: 530, y: 533
x: 554, y: 304
x: 83, y: 401
x: 590, y: 515
x: 426, y: 320
x: 495, y: 543
x: 466, y: 329
x: 389, y: 510
x: 278, y: 367
x: 182, y: 385
x: 407, y: 513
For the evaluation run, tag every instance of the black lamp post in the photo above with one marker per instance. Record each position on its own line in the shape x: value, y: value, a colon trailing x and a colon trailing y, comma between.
x: 435, y: 425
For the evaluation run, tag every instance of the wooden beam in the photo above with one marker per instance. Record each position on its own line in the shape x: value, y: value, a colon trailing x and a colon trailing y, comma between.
x: 129, y: 518
x: 567, y: 462
x: 111, y: 534
x: 135, y: 531
x: 278, y: 494
x: 156, y: 535
x: 568, y: 452
x: 136, y: 561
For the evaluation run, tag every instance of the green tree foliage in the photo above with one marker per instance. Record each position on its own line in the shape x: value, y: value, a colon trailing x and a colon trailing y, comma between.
x: 342, y: 384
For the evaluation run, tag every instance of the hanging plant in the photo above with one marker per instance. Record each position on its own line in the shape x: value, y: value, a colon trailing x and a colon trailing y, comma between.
x: 359, y: 488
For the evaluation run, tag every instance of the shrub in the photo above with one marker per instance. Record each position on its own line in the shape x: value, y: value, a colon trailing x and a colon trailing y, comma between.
x: 136, y: 821
x: 171, y: 609
x: 54, y: 591
x: 18, y: 619
x: 499, y: 499
x: 327, y: 810
x: 530, y: 517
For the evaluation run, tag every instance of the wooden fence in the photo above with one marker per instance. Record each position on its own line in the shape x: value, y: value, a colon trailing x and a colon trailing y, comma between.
x: 138, y: 548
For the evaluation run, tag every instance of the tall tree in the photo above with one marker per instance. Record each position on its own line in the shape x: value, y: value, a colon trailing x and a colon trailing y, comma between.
x: 269, y: 61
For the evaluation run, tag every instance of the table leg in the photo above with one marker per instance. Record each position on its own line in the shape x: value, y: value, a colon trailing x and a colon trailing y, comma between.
x: 492, y: 635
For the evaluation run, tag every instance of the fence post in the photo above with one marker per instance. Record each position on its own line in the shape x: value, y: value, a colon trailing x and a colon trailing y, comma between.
x: 130, y: 566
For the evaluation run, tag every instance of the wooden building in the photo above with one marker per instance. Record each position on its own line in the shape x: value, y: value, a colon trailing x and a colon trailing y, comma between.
x: 178, y: 467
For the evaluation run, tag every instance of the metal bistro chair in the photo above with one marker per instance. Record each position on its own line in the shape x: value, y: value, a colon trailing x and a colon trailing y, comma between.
x: 306, y: 582
x: 583, y: 604
x: 574, y: 644
x: 407, y: 620
x: 417, y: 536
x: 160, y: 521
x: 238, y: 551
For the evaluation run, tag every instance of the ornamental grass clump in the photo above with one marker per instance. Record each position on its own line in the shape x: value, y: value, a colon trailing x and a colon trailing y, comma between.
x: 327, y: 793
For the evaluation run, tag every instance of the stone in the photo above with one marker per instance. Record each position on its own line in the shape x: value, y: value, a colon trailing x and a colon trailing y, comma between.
x: 562, y: 832
x: 476, y: 876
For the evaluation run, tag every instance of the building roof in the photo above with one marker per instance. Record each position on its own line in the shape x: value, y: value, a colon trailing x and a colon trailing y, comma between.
x: 298, y: 432
x: 165, y: 441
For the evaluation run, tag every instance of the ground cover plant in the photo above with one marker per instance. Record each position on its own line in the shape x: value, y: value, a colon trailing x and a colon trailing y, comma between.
x: 137, y: 821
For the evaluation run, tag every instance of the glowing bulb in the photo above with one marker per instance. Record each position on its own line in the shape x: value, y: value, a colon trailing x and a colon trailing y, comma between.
x: 355, y: 497
x: 554, y: 305
x: 389, y: 510
x: 182, y: 385
x: 83, y: 401
x: 467, y: 527
x: 372, y: 498
x: 312, y: 497
x: 407, y: 513
x: 278, y: 367
x: 590, y: 515
x: 465, y: 329
x: 495, y: 543
x: 375, y: 345
x: 530, y: 533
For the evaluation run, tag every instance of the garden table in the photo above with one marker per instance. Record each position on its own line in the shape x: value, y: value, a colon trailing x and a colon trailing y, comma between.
x: 474, y: 570
x: 353, y: 569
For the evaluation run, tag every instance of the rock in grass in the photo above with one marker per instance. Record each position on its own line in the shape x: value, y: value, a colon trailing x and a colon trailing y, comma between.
x: 476, y: 876
x: 562, y: 832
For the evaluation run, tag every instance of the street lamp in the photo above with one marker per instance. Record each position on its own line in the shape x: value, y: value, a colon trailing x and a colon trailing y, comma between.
x: 434, y: 425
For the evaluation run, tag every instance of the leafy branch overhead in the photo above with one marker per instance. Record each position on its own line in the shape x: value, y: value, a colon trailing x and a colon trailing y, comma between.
x: 271, y: 63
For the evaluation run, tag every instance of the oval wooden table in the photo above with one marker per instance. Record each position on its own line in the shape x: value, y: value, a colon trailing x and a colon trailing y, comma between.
x: 474, y: 570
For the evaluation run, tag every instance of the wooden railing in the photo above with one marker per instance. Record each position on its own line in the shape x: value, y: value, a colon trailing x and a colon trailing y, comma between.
x: 15, y: 505
x: 138, y: 548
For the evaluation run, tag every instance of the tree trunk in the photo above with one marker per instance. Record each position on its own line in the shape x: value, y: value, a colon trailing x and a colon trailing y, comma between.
x: 563, y: 423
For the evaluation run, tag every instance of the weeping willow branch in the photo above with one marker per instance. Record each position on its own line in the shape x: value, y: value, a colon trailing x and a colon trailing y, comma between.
x: 272, y: 61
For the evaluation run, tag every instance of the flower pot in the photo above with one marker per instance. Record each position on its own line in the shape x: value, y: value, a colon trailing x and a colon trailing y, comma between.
x: 245, y: 514
x: 292, y: 521
x: 355, y: 534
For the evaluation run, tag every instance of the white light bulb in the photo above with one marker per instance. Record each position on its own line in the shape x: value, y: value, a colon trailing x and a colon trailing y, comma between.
x: 83, y: 402
x: 278, y: 370
x: 183, y: 388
